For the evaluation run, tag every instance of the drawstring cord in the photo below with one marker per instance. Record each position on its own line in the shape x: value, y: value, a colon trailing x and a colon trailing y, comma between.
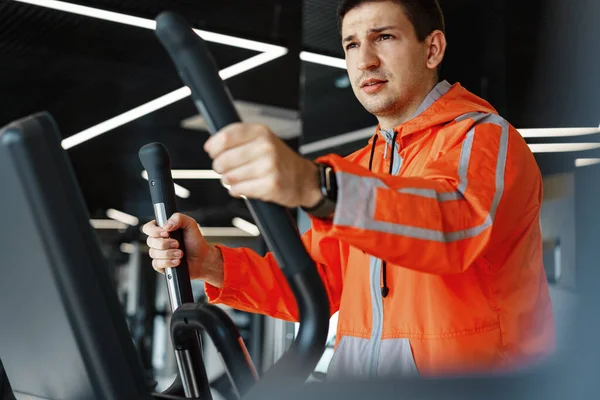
x: 372, y: 152
x: 385, y: 290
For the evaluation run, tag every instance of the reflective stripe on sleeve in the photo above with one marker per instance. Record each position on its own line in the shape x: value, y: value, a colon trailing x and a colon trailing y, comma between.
x: 357, y: 195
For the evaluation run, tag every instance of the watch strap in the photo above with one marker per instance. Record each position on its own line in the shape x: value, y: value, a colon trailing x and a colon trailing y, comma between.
x: 325, y: 208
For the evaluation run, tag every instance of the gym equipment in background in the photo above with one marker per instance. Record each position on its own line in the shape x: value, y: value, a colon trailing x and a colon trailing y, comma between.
x: 64, y: 334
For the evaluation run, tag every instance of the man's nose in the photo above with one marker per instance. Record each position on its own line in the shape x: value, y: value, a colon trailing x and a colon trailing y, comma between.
x: 367, y: 58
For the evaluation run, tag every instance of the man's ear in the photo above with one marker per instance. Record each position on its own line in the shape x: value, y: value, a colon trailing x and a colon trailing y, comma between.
x: 436, y: 49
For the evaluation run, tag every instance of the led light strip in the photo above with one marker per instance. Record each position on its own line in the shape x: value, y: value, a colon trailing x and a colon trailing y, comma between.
x: 130, y: 20
x: 245, y: 226
x: 107, y: 224
x: 586, y: 162
x: 557, y: 132
x: 225, y: 231
x: 122, y: 217
x: 181, y: 191
x: 164, y: 101
x: 126, y: 117
x: 127, y: 248
x: 323, y: 60
x: 190, y: 174
x: 562, y: 147
x: 269, y: 53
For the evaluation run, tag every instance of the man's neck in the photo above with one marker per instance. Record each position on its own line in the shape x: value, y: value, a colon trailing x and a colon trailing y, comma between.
x: 390, y: 122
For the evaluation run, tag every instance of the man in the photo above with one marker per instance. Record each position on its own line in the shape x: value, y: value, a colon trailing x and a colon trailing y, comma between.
x: 429, y: 242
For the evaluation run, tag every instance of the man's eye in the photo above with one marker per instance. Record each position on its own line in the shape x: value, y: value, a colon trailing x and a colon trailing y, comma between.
x: 350, y: 46
x: 385, y: 37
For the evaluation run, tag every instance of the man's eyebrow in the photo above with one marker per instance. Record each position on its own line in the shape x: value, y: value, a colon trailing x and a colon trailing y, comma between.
x: 348, y: 38
x: 381, y: 29
x: 372, y: 30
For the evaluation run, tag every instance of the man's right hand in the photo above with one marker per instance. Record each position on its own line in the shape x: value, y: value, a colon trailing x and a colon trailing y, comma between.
x: 205, y: 262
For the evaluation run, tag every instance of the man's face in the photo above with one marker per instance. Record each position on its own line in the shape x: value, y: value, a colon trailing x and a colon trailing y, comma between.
x: 386, y: 62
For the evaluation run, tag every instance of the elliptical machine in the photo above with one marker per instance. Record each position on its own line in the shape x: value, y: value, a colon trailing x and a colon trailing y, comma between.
x: 198, y: 71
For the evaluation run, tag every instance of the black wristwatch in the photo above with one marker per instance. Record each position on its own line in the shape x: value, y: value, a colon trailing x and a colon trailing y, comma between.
x: 325, y: 208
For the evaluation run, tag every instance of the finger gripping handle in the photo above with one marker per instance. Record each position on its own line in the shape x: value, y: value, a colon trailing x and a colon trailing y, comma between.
x: 157, y: 163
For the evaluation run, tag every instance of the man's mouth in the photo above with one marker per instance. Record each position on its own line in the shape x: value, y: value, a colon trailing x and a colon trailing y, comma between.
x: 372, y: 82
x: 372, y: 86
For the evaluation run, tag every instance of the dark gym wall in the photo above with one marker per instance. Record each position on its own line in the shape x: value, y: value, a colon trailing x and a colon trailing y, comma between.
x: 476, y: 56
x: 565, y: 86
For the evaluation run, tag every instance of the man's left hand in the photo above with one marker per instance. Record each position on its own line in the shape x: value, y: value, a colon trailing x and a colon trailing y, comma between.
x: 259, y: 165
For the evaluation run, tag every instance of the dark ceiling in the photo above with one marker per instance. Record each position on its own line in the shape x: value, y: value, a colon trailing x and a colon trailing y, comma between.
x: 518, y: 55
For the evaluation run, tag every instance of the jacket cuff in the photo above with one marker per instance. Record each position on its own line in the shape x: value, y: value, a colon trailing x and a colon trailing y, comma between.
x: 233, y: 277
x: 338, y: 164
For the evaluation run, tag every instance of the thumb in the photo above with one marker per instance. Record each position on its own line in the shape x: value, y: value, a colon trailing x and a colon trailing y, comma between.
x: 179, y: 220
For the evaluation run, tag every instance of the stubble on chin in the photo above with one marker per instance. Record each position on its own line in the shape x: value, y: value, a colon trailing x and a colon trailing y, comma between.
x: 383, y: 106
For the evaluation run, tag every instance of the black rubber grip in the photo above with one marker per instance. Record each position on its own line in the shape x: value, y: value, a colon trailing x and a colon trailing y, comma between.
x: 156, y: 161
x: 198, y: 72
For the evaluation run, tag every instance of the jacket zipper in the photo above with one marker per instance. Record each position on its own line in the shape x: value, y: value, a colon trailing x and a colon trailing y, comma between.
x: 376, y: 297
x: 377, y: 319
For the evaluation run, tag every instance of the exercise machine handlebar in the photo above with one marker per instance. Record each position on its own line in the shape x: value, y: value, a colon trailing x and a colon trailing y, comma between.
x: 223, y: 332
x: 198, y: 71
x: 157, y: 163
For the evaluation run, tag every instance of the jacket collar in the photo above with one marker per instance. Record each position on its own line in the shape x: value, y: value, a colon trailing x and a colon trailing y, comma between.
x: 434, y: 95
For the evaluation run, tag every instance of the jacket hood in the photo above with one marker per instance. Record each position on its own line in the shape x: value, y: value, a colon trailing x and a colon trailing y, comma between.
x: 442, y: 105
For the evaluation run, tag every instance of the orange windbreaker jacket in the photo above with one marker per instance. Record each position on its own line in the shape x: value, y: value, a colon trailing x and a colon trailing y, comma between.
x: 441, y: 215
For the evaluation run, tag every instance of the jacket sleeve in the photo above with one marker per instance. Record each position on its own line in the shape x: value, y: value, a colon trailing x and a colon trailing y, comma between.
x: 255, y: 284
x: 439, y: 222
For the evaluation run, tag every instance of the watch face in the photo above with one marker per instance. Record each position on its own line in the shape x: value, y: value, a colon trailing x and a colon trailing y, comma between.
x: 323, y: 179
x: 331, y: 182
x: 328, y: 184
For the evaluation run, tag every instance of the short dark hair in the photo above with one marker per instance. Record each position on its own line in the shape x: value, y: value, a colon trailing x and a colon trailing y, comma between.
x: 425, y: 15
